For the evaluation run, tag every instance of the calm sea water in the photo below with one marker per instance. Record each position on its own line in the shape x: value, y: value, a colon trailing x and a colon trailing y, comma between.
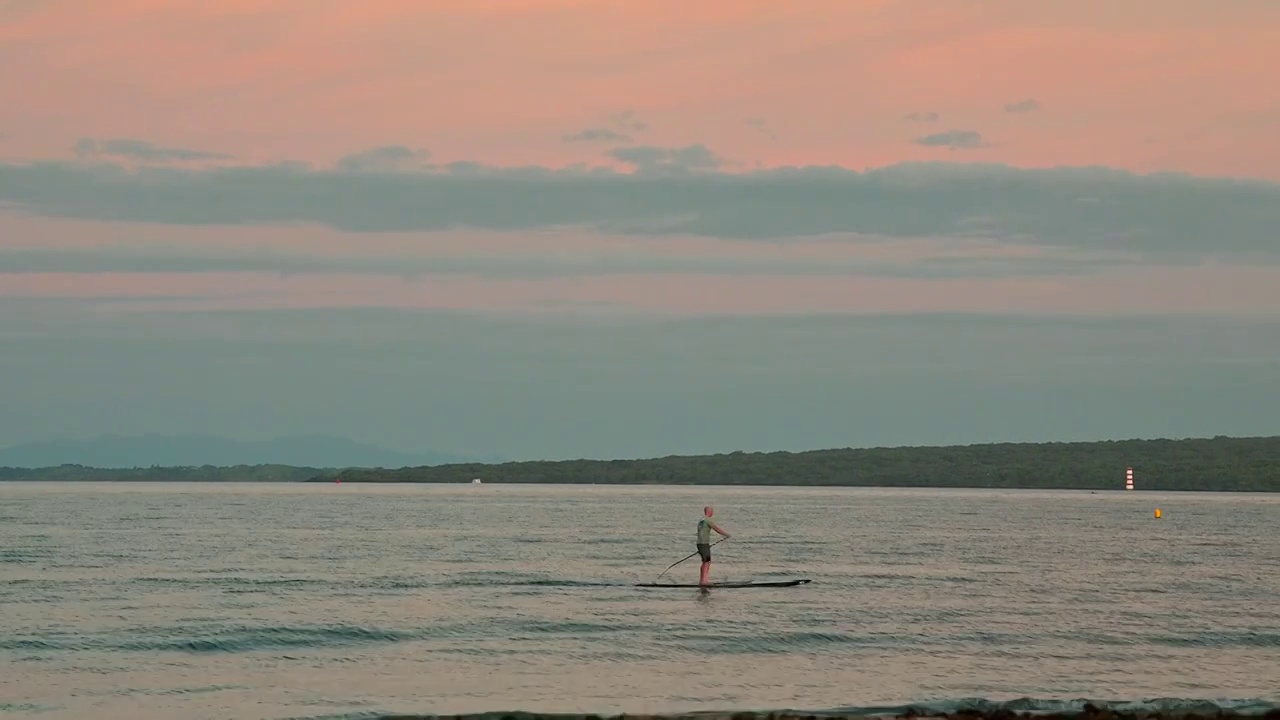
x: 284, y: 601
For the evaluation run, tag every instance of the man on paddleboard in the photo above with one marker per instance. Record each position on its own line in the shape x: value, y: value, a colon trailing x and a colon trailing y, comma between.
x: 705, y: 526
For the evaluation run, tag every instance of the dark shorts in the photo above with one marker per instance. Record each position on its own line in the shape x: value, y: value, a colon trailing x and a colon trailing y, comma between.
x: 704, y: 549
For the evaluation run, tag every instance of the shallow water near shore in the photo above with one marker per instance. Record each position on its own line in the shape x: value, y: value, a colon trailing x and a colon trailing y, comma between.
x: 318, y: 600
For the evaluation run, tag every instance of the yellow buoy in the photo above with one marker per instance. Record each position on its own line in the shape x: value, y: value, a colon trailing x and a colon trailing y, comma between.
x: 1157, y: 512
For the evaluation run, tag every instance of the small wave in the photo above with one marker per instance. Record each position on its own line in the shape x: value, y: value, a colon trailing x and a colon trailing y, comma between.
x: 771, y: 643
x: 23, y: 707
x: 567, y: 627
x: 518, y: 580
x: 1209, y: 639
x: 566, y: 583
x: 1218, y: 639
x: 224, y: 640
x: 242, y: 639
x: 916, y: 578
x: 249, y: 583
x: 169, y: 691
x: 228, y: 580
x: 24, y: 556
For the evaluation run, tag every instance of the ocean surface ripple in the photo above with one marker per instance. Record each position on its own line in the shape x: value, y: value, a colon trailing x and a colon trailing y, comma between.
x: 379, y: 601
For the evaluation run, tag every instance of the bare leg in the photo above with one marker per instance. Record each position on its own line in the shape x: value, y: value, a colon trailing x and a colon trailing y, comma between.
x: 706, y: 569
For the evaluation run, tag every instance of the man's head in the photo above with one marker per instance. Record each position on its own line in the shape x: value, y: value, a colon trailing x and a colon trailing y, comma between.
x: 707, y: 511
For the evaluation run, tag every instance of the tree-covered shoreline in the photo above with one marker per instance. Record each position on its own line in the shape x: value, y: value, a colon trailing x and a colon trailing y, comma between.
x: 1249, y: 464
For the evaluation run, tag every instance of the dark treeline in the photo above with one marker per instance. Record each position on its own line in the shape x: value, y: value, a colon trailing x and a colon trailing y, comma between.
x: 1221, y: 463
x: 158, y: 473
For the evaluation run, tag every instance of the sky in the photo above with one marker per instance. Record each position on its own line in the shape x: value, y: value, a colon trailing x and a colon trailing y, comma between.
x: 547, y: 229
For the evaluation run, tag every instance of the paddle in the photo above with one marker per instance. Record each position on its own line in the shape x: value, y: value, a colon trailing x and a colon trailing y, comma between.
x: 695, y: 552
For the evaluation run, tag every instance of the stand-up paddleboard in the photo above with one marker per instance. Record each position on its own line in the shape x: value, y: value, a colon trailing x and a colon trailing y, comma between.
x: 759, y: 583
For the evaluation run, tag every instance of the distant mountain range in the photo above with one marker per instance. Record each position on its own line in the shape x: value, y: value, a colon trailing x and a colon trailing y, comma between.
x: 317, y: 451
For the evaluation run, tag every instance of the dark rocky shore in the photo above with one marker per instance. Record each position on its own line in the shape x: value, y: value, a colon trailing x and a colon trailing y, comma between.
x: 1087, y: 712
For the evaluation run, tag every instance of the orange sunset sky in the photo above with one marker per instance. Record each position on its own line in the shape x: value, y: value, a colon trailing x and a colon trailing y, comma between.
x: 729, y: 87
x: 1173, y: 85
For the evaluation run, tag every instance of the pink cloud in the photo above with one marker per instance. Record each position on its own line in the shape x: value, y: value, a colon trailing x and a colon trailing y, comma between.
x: 20, y: 232
x: 772, y: 286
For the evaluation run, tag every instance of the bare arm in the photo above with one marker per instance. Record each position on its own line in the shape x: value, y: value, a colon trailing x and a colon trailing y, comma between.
x: 717, y: 529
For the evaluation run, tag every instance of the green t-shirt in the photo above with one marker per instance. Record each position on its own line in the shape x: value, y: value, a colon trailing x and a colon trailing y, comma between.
x: 704, y: 530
